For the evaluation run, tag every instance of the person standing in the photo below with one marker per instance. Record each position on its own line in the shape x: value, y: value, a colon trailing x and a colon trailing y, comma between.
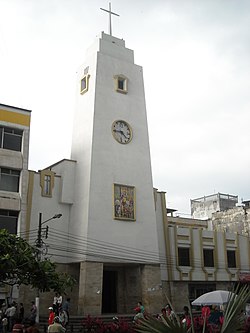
x: 33, y: 311
x: 4, y: 324
x: 57, y: 303
x: 169, y: 312
x: 51, y: 316
x: 205, y: 313
x: 63, y: 317
x: 66, y: 306
x: 21, y: 312
x: 11, y: 314
x: 56, y: 327
x: 186, y: 321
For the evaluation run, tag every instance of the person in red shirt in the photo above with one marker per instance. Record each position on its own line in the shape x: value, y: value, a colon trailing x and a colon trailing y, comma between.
x: 51, y: 316
x: 186, y: 321
x: 205, y: 312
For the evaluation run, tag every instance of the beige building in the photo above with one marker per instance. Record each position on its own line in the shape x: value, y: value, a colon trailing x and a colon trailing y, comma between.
x: 14, y: 153
x: 198, y: 260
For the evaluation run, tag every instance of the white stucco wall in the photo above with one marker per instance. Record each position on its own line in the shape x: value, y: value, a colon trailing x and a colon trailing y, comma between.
x: 66, y: 170
x: 101, y: 161
x: 58, y: 242
x: 159, y: 210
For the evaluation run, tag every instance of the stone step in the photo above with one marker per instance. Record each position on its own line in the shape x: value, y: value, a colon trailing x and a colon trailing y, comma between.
x: 76, y: 323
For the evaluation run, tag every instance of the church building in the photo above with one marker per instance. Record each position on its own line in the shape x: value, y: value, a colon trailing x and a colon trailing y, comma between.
x: 101, y: 219
x: 107, y: 234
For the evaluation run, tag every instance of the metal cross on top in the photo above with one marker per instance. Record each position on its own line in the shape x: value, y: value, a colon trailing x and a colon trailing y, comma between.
x: 109, y: 11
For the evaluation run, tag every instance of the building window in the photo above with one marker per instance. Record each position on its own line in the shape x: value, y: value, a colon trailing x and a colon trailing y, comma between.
x: 11, y: 138
x: 8, y: 220
x: 231, y: 259
x: 9, y: 180
x: 47, y: 182
x: 208, y: 256
x: 183, y: 256
x: 47, y: 185
x: 197, y: 289
x: 121, y: 84
x: 84, y: 84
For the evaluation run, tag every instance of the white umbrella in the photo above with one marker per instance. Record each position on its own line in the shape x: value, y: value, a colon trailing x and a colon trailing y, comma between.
x: 218, y: 297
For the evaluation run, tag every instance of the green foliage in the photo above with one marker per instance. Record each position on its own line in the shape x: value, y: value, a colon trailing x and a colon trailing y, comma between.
x: 154, y: 325
x: 234, y: 315
x: 19, y: 264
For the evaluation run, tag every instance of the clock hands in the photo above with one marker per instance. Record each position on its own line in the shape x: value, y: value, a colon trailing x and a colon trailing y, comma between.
x: 122, y: 134
x: 121, y: 131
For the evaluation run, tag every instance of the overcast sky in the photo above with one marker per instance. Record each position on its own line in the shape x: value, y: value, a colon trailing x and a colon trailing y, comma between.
x: 196, y: 60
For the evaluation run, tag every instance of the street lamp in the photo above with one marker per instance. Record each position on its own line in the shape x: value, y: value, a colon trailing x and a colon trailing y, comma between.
x: 39, y: 245
x: 39, y: 234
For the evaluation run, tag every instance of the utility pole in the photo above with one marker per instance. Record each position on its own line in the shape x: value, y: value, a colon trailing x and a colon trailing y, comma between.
x: 39, y: 243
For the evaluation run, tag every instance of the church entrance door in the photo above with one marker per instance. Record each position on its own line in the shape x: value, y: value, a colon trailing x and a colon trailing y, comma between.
x: 109, y: 297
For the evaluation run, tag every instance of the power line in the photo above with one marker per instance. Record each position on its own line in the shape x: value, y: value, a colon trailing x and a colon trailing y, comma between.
x: 104, y: 250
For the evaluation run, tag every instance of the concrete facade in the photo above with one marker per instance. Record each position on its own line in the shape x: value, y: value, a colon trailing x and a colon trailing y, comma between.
x: 204, y: 207
x: 229, y: 262
x: 103, y: 162
x: 14, y: 154
x: 236, y: 220
x: 14, y: 119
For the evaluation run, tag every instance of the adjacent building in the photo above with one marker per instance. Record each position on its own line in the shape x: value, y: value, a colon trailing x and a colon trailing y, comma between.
x: 198, y: 260
x: 204, y: 207
x: 14, y: 154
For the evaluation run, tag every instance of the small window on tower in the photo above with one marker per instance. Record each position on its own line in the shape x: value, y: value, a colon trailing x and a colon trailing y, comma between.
x: 84, y: 84
x: 47, y: 182
x: 121, y: 84
x: 47, y: 185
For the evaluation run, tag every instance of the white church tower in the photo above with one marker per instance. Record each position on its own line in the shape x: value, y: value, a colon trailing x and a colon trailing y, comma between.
x: 114, y: 209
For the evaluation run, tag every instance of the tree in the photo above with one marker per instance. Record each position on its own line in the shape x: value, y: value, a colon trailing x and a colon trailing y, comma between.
x: 19, y: 264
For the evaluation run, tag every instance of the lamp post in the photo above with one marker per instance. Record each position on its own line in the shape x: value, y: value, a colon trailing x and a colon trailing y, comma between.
x: 39, y: 245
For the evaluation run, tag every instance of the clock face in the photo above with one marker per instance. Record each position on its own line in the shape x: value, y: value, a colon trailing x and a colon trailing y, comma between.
x: 121, y: 131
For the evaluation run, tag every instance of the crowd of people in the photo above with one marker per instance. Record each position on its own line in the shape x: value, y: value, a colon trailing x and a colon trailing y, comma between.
x: 13, y: 319
x: 10, y: 315
x: 212, y: 316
